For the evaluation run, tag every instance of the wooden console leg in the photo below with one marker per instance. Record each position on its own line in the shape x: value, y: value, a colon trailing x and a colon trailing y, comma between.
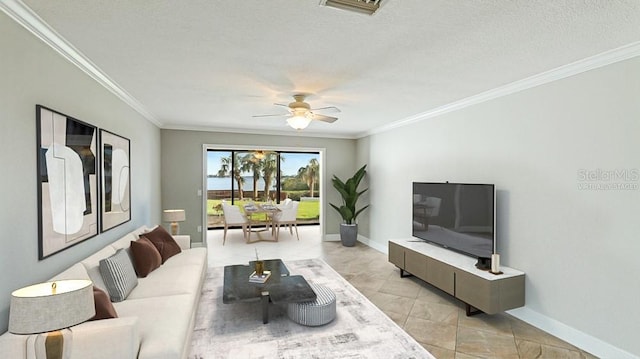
x: 471, y: 311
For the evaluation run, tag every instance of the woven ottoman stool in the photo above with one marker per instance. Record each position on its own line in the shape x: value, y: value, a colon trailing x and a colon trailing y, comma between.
x: 318, y: 312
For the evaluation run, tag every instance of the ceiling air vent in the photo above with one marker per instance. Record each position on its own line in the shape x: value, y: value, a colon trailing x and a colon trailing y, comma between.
x: 360, y: 6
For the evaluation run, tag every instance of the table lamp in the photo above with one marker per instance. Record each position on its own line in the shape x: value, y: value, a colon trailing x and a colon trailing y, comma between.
x: 50, y: 308
x: 174, y: 216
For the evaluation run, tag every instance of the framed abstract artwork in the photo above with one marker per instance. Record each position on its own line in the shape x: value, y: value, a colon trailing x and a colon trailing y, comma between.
x: 115, y: 180
x: 67, y: 181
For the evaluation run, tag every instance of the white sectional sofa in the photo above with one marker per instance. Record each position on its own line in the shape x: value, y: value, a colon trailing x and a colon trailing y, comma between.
x: 154, y: 322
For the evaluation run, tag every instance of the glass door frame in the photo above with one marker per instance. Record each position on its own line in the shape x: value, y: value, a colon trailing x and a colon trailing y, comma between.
x: 322, y: 185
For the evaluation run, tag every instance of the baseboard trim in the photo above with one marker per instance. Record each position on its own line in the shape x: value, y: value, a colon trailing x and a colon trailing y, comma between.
x: 571, y: 335
x: 332, y: 238
x: 382, y: 248
x: 373, y: 244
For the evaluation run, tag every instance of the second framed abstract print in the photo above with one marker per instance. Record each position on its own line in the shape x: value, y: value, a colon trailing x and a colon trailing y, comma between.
x: 115, y: 180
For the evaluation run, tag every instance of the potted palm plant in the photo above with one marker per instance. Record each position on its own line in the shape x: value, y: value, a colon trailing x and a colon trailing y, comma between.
x: 349, y: 192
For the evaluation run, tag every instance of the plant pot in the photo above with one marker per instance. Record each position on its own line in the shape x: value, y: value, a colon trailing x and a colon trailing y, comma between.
x: 348, y: 234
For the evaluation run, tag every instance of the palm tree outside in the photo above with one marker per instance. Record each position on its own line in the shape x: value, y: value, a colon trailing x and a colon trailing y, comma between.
x: 252, y: 165
x: 255, y: 178
x: 310, y: 174
x: 269, y: 169
x: 236, y: 172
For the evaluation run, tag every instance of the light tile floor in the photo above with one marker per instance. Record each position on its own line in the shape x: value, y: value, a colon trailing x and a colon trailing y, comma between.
x: 430, y: 316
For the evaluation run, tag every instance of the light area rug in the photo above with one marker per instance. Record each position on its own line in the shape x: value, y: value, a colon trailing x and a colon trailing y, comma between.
x: 360, y: 329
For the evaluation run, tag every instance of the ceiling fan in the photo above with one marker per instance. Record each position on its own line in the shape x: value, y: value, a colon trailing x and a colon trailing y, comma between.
x: 301, y: 114
x: 258, y: 155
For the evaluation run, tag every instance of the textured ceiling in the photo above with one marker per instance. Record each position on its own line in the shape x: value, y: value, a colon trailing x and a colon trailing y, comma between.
x: 212, y: 64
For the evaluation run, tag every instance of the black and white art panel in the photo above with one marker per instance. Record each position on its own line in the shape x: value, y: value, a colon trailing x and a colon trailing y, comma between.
x: 115, y: 180
x: 67, y: 181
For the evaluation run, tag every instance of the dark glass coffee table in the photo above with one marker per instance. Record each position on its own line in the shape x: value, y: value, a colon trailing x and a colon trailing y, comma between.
x: 279, y: 288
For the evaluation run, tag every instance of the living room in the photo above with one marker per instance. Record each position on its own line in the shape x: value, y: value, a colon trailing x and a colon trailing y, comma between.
x: 557, y: 145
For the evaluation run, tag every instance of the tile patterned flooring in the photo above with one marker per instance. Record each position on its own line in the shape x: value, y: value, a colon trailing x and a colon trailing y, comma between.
x: 433, y: 318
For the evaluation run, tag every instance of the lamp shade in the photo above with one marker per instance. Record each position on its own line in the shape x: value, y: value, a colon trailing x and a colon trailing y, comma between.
x: 46, y: 307
x: 173, y: 215
x: 299, y: 122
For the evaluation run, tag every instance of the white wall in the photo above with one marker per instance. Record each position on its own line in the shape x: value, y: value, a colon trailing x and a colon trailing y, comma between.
x: 579, y: 248
x: 182, y: 169
x: 32, y: 73
x: 363, y: 219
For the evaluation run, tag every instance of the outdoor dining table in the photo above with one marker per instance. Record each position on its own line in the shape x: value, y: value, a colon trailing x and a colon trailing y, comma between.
x: 268, y: 210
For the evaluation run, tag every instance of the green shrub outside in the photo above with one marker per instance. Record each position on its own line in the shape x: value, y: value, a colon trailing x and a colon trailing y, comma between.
x: 294, y: 184
x: 306, y: 209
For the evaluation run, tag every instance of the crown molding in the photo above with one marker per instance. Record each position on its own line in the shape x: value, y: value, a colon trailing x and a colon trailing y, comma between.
x: 250, y: 131
x: 603, y: 59
x: 26, y: 17
x: 23, y: 15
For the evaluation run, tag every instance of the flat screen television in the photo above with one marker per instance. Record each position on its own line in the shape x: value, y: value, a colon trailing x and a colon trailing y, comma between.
x: 457, y: 216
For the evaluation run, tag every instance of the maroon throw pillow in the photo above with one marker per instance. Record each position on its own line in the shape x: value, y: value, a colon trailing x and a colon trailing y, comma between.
x: 146, y: 257
x: 163, y: 241
x: 104, y: 307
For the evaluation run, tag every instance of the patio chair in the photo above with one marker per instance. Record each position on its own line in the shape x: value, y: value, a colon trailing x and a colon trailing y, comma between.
x: 233, y: 217
x: 287, y: 217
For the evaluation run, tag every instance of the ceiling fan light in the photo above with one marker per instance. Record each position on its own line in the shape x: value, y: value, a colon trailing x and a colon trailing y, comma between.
x: 298, y: 122
x: 258, y: 155
x: 368, y: 7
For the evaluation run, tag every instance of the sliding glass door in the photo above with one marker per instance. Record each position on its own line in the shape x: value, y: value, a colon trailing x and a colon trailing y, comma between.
x: 240, y: 176
x: 300, y: 181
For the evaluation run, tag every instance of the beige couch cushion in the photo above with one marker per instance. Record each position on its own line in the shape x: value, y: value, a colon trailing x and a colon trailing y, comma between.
x: 125, y: 241
x: 92, y: 262
x: 197, y: 256
x: 164, y: 324
x: 169, y: 281
x: 99, y: 339
x: 106, y: 339
x: 76, y: 271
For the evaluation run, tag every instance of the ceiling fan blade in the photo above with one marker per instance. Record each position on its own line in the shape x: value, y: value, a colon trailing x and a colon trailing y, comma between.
x: 281, y: 104
x: 328, y: 109
x: 324, y: 118
x: 278, y: 115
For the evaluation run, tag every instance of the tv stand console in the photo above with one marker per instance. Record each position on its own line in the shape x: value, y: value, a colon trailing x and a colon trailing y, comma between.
x: 456, y: 274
